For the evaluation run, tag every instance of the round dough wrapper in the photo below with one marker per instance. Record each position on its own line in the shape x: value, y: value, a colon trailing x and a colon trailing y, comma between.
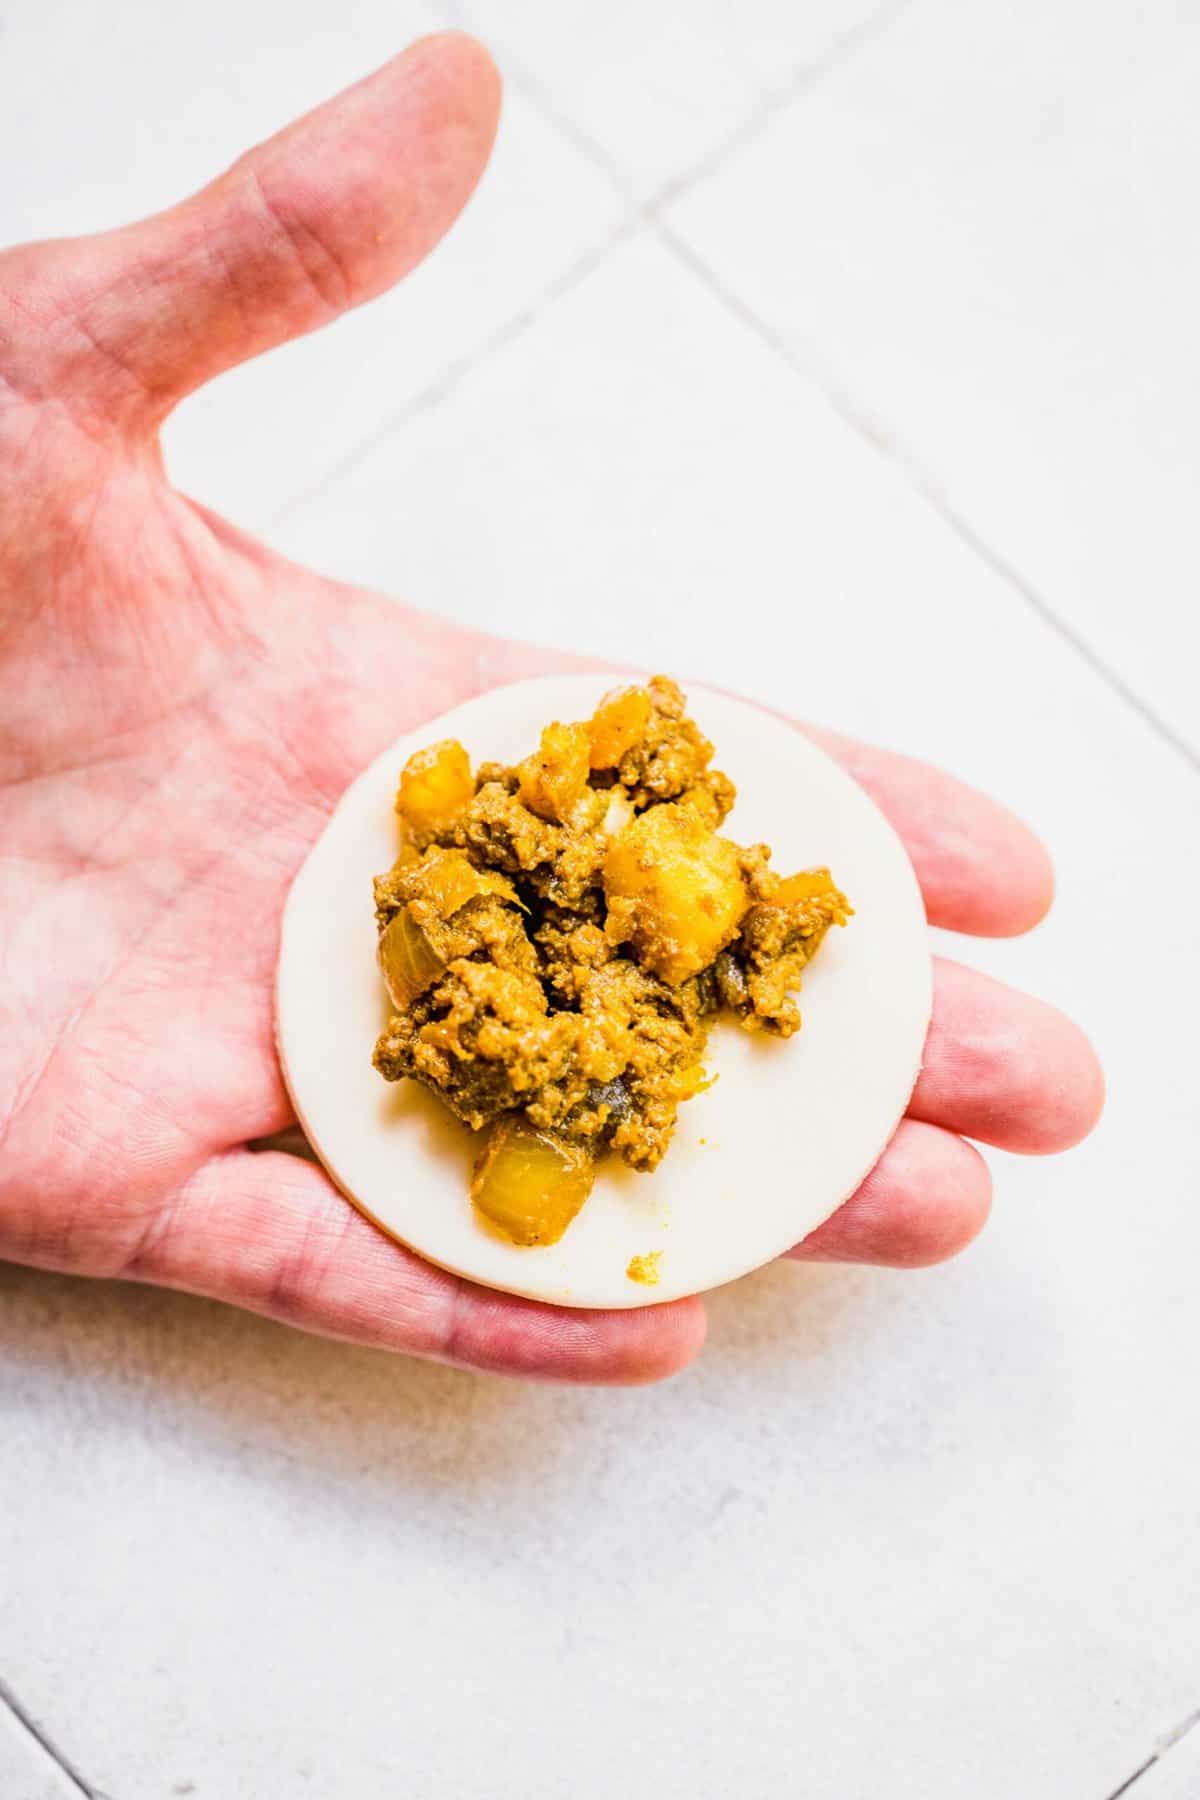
x: 786, y: 1133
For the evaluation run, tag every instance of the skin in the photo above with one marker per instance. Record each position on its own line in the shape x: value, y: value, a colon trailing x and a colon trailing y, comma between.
x: 182, y: 709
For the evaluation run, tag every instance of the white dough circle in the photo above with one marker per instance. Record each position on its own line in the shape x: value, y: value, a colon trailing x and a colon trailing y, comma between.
x: 786, y: 1133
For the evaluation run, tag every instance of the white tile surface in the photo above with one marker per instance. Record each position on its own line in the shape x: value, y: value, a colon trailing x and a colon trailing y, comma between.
x: 922, y: 1536
x: 656, y: 89
x: 267, y: 434
x: 980, y: 227
x: 914, y: 1535
x: 26, y: 1771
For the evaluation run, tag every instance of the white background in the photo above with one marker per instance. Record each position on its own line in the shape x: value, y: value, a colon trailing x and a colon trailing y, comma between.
x: 876, y: 325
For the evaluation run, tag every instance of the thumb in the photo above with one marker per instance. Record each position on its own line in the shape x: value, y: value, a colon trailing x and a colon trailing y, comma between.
x: 330, y: 212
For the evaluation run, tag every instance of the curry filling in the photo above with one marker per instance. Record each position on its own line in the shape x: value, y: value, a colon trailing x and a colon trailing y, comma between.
x: 556, y: 939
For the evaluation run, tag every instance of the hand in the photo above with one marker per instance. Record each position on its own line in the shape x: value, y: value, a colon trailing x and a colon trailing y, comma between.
x: 182, y: 708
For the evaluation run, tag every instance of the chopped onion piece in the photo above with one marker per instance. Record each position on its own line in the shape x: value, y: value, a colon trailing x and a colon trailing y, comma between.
x: 618, y: 813
x: 409, y: 961
x: 448, y: 879
x: 529, y: 1183
x: 809, y: 884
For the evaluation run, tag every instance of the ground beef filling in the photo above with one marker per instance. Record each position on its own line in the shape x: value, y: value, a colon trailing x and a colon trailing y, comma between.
x: 557, y: 938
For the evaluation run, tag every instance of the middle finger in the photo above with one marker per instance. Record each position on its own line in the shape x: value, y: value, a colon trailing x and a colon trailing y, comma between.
x: 1005, y: 1068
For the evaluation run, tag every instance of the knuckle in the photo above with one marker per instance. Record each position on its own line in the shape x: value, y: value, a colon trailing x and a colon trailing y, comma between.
x: 312, y: 255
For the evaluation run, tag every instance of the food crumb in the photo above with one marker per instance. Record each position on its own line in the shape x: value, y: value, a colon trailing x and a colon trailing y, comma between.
x: 645, y: 1268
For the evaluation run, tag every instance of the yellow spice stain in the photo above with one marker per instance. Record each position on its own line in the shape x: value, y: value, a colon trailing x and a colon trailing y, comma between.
x: 645, y: 1268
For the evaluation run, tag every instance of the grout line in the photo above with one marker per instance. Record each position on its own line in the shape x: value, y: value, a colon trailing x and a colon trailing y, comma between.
x: 1161, y: 1749
x: 922, y: 481
x: 1136, y: 1776
x: 580, y: 140
x: 801, y: 81
x: 1181, y: 1730
x: 851, y: 414
x: 754, y: 122
x: 46, y: 1744
x: 773, y: 99
x: 748, y: 128
x: 455, y: 372
x: 903, y: 458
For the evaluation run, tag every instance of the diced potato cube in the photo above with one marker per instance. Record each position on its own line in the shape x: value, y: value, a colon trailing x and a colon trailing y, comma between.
x: 675, y: 889
x: 554, y: 779
x: 435, y: 786
x: 618, y: 723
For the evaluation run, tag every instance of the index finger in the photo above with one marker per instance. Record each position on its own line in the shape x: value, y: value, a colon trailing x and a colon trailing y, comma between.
x: 981, y: 870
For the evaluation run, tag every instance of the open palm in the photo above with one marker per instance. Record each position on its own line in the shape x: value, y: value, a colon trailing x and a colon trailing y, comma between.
x: 181, y: 710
